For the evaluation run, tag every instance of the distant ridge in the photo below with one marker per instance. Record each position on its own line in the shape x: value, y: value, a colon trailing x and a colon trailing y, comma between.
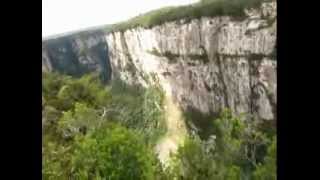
x: 93, y: 28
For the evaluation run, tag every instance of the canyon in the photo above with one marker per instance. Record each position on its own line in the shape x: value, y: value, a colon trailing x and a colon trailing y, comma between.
x: 204, y: 65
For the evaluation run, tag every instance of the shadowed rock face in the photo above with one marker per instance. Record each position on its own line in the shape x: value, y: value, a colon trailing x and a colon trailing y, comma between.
x: 206, y: 64
x: 77, y: 54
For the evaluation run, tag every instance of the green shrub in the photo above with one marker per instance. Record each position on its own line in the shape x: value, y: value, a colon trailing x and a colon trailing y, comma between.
x: 51, y: 115
x: 93, y: 147
x: 268, y: 169
x: 51, y: 84
x: 56, y: 161
x: 132, y: 106
x: 235, y: 150
x: 229, y: 131
x: 240, y: 142
x: 138, y: 108
x: 61, y: 91
x: 193, y: 161
x: 80, y: 120
x: 113, y: 153
x: 73, y: 115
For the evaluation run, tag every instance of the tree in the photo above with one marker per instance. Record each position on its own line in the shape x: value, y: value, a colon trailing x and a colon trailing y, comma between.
x: 56, y: 161
x: 80, y: 120
x: 232, y: 152
x: 268, y: 170
x: 113, y: 152
x: 193, y: 162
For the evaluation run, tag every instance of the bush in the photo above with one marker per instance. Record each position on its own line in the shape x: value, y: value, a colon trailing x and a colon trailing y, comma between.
x: 56, y: 161
x: 132, y: 106
x: 236, y: 150
x: 79, y: 120
x: 87, y: 89
x: 138, y: 108
x: 193, y: 161
x: 61, y: 91
x: 77, y: 114
x: 113, y: 153
x: 80, y: 143
x: 51, y: 84
x: 50, y: 115
x: 240, y: 142
x: 268, y: 169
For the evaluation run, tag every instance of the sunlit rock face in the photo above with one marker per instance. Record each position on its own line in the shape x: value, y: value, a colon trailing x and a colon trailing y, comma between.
x: 207, y: 64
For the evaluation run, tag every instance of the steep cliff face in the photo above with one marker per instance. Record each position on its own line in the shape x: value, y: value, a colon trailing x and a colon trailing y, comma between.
x: 77, y: 54
x: 206, y: 64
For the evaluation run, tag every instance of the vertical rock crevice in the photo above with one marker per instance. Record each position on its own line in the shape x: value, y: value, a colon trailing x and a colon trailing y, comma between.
x: 221, y: 78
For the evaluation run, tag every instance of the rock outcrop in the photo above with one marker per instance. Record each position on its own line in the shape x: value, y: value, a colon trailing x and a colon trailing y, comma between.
x: 206, y: 64
x: 77, y: 54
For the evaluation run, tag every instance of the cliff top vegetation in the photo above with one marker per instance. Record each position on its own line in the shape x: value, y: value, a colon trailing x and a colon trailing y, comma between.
x: 203, y: 8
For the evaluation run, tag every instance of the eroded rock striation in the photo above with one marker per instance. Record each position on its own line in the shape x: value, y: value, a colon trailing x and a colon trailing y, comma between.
x: 206, y: 64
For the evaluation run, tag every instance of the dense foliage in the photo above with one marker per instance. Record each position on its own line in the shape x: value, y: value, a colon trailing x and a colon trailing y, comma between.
x: 97, y: 131
x: 204, y: 8
x: 237, y: 150
x: 83, y: 119
x: 113, y: 152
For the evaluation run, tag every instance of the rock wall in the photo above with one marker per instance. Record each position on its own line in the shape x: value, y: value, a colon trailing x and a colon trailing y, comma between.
x: 77, y: 54
x: 206, y: 64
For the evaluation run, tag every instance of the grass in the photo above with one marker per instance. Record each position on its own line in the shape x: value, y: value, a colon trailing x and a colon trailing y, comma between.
x: 204, y: 8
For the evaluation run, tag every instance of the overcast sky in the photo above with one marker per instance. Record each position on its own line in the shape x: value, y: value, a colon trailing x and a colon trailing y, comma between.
x: 59, y: 16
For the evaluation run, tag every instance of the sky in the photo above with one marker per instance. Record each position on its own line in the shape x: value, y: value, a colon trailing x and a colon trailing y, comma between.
x: 60, y: 16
